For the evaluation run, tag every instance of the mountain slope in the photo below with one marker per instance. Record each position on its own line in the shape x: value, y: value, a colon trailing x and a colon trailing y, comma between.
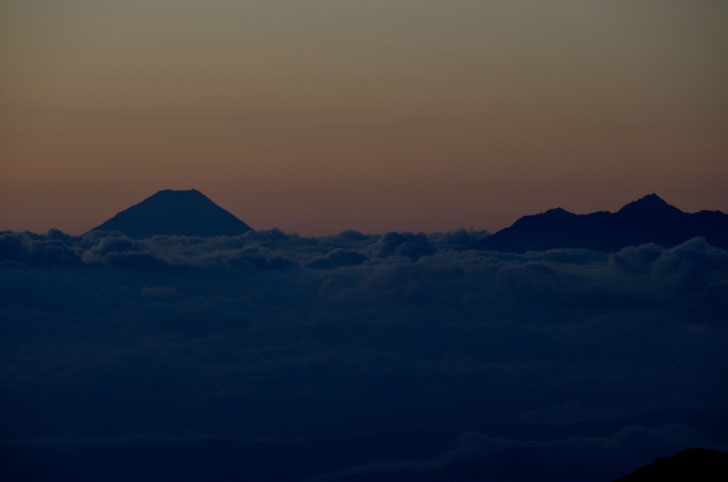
x: 647, y: 220
x: 172, y: 212
x: 691, y: 464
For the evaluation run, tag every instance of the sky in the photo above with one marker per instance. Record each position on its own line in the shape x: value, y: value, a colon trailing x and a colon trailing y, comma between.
x: 317, y: 116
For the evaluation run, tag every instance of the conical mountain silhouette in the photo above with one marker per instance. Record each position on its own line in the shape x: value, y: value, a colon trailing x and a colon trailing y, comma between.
x: 169, y: 212
x: 647, y: 220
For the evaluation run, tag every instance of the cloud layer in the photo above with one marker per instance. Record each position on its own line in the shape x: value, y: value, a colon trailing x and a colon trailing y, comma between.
x: 271, y: 336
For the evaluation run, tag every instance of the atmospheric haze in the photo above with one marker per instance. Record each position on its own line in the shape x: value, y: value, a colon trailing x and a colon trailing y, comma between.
x: 317, y: 116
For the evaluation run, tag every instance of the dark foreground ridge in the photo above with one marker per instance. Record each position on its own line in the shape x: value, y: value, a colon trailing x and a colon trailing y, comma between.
x: 647, y: 220
x: 699, y: 465
x: 169, y: 212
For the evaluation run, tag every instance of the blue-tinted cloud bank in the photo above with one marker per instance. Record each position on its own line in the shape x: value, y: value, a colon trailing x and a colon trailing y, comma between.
x: 359, y: 350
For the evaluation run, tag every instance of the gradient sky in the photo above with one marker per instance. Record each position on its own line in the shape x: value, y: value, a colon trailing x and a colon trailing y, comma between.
x: 316, y: 116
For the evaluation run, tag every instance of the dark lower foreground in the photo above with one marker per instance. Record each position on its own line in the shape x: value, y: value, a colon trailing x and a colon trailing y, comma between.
x: 691, y: 465
x: 599, y: 454
x: 698, y: 465
x: 229, y: 461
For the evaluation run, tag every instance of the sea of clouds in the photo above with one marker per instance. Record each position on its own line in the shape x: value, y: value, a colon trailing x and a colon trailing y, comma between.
x: 355, y: 357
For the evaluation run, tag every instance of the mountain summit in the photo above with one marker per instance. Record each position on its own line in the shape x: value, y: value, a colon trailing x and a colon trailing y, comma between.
x: 646, y: 220
x: 170, y: 212
x: 650, y: 205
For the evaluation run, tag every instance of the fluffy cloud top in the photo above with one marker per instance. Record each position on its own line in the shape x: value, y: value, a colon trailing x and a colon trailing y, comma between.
x: 354, y: 338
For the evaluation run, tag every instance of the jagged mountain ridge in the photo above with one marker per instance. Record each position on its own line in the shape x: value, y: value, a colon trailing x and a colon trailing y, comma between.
x: 647, y: 220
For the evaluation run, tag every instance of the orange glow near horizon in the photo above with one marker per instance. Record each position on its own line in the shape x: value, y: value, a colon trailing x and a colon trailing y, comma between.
x: 315, y: 117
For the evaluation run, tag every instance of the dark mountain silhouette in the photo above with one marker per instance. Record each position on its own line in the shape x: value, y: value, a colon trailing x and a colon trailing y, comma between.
x: 170, y: 212
x: 699, y: 465
x: 647, y: 220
